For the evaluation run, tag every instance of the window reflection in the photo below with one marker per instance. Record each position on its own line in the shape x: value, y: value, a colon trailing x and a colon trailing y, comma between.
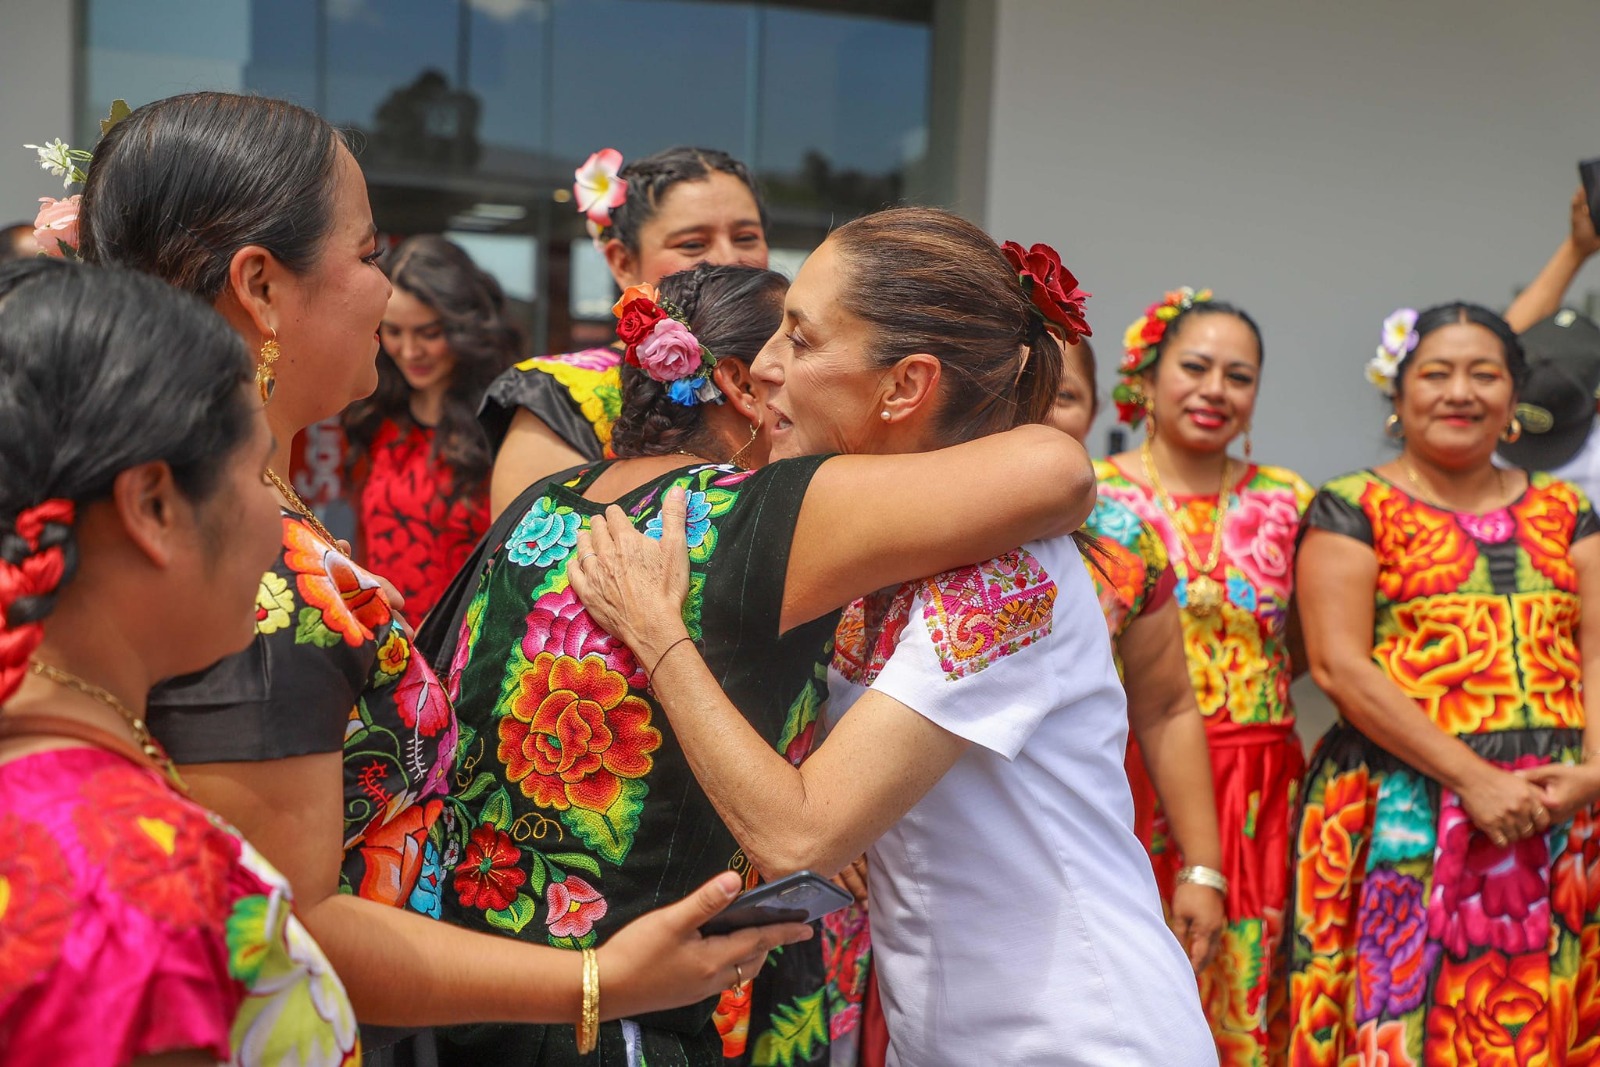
x: 471, y: 114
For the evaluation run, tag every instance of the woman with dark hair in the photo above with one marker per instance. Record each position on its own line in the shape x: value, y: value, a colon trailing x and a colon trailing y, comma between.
x: 1192, y: 373
x: 653, y: 217
x: 328, y: 741
x: 1167, y: 756
x: 573, y: 767
x: 1444, y: 906
x: 417, y: 454
x: 135, y: 926
x: 1014, y: 916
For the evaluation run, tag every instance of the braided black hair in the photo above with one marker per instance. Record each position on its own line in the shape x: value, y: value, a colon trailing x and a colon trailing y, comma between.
x: 733, y: 311
x: 650, y: 178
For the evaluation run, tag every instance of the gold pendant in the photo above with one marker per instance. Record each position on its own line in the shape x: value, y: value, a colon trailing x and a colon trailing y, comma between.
x: 1204, y: 597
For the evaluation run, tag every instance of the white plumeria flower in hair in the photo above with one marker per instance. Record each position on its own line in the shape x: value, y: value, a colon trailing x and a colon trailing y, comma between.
x: 597, y: 187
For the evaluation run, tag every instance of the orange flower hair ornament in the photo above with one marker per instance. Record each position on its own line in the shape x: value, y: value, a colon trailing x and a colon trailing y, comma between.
x: 1140, y: 342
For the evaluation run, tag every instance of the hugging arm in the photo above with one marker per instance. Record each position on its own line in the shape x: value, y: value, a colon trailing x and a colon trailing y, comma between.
x: 875, y: 764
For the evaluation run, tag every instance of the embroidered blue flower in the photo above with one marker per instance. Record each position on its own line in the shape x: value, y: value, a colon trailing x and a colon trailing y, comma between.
x: 428, y: 897
x: 1115, y: 521
x: 1404, y: 826
x: 1240, y: 592
x: 545, y: 535
x: 698, y: 516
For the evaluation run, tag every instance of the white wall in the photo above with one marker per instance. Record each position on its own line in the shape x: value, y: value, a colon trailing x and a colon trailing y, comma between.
x: 37, y: 54
x: 1318, y: 164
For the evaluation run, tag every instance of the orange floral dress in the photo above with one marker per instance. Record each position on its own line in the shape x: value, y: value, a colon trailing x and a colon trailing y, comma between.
x: 1240, y: 666
x: 1414, y: 939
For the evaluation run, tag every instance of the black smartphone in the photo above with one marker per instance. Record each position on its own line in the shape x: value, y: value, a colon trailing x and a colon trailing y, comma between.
x: 1589, y: 171
x: 801, y: 897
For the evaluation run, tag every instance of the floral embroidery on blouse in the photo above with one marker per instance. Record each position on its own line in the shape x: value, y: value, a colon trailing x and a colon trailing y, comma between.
x: 111, y: 883
x: 1239, y: 655
x: 592, y: 379
x: 979, y: 615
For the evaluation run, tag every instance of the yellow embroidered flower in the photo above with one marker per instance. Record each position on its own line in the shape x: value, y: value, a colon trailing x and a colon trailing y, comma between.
x: 274, y: 604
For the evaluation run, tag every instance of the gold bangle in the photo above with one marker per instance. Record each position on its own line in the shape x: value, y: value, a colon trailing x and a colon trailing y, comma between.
x: 1204, y: 876
x: 589, y: 1021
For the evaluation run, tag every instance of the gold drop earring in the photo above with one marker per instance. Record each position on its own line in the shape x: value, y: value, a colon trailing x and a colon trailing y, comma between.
x: 266, y: 376
x: 1247, y: 444
x: 755, y: 429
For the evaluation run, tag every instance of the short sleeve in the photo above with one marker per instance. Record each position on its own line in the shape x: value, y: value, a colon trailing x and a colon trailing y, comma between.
x: 1337, y: 508
x: 289, y: 694
x: 1159, y: 580
x: 533, y: 386
x: 1587, y: 524
x: 754, y: 539
x: 990, y: 650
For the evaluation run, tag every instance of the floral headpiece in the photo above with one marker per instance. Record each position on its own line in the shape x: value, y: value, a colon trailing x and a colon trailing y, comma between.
x: 1398, y: 341
x: 55, y: 228
x: 1052, y: 289
x: 1139, y: 344
x: 661, y: 344
x: 597, y: 189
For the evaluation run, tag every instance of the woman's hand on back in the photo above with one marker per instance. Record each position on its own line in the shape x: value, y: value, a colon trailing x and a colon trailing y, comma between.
x: 635, y: 586
x: 661, y: 961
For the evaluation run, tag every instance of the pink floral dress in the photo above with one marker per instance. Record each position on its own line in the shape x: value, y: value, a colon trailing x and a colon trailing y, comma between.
x: 134, y: 922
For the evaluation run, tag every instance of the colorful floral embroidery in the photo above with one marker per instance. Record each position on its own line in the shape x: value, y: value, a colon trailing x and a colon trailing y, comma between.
x: 348, y: 599
x: 545, y: 535
x: 111, y: 881
x: 1461, y: 951
x: 488, y: 877
x: 868, y: 631
x: 574, y: 906
x: 274, y: 603
x: 979, y: 615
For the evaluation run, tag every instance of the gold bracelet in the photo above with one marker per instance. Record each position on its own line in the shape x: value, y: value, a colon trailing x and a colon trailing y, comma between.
x: 1204, y: 876
x: 589, y: 1021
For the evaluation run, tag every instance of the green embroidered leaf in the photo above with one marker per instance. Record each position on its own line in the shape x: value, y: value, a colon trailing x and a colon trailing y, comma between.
x: 702, y: 552
x: 610, y: 832
x: 797, y: 1028
x: 514, y: 918
x: 576, y: 859
x: 538, y: 873
x: 1479, y: 581
x: 1529, y: 578
x: 313, y: 631
x: 720, y: 501
x: 479, y: 785
x: 802, y: 713
x: 249, y: 940
x: 574, y: 943
x: 694, y: 605
x: 497, y: 812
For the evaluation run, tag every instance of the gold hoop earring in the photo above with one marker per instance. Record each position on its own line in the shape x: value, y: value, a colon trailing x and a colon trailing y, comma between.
x: 1392, y: 428
x: 755, y: 429
x: 1513, y: 432
x: 266, y: 376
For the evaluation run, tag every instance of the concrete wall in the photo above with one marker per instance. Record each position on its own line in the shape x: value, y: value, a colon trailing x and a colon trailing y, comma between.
x: 38, y: 55
x: 1319, y: 164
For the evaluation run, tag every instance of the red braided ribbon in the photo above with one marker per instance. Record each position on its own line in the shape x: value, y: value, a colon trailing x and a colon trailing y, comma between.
x: 38, y: 574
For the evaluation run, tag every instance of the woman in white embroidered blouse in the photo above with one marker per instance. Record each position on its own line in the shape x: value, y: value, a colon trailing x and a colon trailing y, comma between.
x: 1014, y: 913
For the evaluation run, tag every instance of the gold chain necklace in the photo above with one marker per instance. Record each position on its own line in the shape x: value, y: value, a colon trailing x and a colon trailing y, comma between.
x: 141, y: 733
x: 1204, y: 593
x: 1433, y: 498
x: 299, y: 506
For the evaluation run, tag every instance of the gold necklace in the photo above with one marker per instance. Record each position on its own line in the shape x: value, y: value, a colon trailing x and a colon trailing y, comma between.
x: 141, y: 733
x: 1204, y: 595
x: 1432, y: 498
x: 299, y: 506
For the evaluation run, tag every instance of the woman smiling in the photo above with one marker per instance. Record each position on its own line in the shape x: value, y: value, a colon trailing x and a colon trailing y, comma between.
x: 1448, y: 835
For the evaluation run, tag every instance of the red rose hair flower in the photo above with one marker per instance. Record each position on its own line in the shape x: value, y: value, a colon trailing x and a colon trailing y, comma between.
x: 1052, y: 288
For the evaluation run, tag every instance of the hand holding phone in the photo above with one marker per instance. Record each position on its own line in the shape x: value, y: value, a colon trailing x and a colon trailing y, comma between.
x: 801, y: 897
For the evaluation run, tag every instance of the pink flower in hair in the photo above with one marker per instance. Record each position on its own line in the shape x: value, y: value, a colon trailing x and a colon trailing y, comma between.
x: 598, y: 188
x: 669, y: 352
x: 55, y: 229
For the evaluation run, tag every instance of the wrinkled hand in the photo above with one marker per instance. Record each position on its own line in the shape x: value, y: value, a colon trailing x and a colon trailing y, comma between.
x: 853, y: 880
x: 1563, y: 787
x: 661, y: 961
x: 1197, y: 918
x: 1505, y: 806
x: 1583, y: 235
x: 633, y: 585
